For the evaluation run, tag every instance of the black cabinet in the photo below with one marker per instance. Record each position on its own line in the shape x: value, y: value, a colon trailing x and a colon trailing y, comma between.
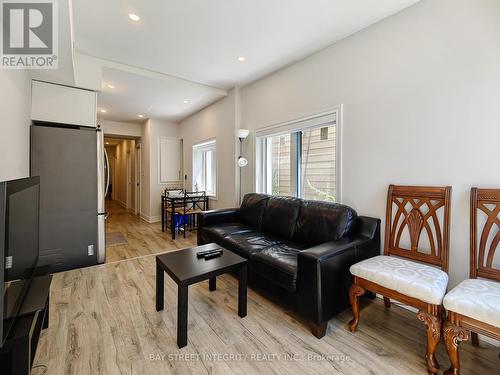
x: 18, y: 351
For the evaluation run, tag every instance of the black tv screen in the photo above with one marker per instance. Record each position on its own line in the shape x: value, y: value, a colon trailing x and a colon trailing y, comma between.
x: 19, y: 222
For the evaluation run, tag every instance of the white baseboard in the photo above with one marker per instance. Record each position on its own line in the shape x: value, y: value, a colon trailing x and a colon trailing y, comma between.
x: 150, y: 219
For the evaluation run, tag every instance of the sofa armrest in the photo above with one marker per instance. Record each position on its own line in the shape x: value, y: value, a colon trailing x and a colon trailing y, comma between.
x: 323, y: 277
x: 212, y: 217
x: 365, y: 226
x: 327, y: 250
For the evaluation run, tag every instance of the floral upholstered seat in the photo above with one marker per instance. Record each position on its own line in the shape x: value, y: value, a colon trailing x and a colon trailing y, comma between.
x: 477, y: 299
x: 413, y: 279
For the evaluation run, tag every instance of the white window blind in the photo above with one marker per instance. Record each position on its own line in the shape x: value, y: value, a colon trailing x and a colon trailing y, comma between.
x: 296, y: 125
x: 205, y: 167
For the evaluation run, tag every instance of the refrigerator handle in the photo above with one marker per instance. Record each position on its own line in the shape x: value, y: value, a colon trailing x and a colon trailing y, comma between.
x: 101, y: 170
x: 106, y: 160
x: 101, y: 204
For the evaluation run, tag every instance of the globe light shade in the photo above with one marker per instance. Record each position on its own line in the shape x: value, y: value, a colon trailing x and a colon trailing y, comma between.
x: 242, y: 133
x: 242, y: 162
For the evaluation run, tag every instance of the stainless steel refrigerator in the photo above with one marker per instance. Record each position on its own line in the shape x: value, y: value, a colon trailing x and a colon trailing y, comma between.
x: 71, y: 163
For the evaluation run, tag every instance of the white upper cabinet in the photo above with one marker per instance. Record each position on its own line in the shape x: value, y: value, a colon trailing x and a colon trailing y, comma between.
x: 62, y: 104
x: 169, y: 159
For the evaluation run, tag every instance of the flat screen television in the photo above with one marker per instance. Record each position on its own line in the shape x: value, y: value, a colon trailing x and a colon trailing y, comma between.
x: 19, y: 222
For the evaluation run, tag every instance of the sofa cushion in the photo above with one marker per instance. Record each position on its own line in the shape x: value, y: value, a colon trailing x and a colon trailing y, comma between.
x: 478, y: 299
x: 280, y: 216
x: 247, y: 243
x: 252, y: 209
x: 278, y: 263
x: 214, y: 232
x: 410, y: 278
x: 320, y: 222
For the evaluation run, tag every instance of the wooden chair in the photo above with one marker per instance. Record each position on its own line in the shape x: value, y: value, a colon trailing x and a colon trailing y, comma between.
x: 474, y: 305
x: 410, y: 274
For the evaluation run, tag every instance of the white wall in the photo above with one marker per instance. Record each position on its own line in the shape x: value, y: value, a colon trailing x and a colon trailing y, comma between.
x: 218, y: 122
x: 127, y: 129
x: 420, y: 95
x: 15, y: 120
x: 151, y: 190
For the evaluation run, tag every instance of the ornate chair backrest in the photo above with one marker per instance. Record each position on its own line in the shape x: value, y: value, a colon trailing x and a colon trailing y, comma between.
x: 417, y: 224
x: 484, y: 243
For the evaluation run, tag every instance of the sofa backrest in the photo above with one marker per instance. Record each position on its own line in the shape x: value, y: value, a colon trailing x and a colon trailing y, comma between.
x: 280, y: 216
x: 252, y: 209
x: 320, y: 222
x: 307, y: 222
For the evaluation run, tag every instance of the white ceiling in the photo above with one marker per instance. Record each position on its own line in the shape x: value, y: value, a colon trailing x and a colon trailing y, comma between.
x: 159, y: 97
x: 199, y: 41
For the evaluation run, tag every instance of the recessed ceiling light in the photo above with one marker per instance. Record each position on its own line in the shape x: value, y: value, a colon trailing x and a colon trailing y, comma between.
x: 186, y: 101
x: 103, y: 111
x: 140, y: 116
x: 134, y: 17
x: 107, y: 143
x: 242, y: 59
x: 111, y: 86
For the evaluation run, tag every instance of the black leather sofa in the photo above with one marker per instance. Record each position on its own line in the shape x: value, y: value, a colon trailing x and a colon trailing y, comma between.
x: 301, y: 248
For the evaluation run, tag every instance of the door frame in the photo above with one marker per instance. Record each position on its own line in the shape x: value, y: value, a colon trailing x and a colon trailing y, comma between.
x: 138, y: 182
x: 128, y: 172
x: 112, y: 175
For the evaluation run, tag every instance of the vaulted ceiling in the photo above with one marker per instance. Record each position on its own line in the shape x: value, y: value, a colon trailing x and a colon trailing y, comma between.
x: 182, y: 55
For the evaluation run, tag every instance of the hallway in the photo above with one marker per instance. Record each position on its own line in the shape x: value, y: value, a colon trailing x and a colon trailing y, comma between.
x: 133, y: 237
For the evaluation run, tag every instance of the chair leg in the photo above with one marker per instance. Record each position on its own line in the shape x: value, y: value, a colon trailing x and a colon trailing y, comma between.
x: 172, y: 225
x: 452, y: 336
x: 184, y: 219
x: 387, y: 302
x: 475, y: 339
x: 355, y: 291
x: 433, y: 324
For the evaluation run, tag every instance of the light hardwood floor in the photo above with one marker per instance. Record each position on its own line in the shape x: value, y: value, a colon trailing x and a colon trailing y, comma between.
x: 143, y: 238
x: 103, y: 321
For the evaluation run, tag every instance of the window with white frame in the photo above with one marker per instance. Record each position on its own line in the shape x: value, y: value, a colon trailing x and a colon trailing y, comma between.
x: 205, y: 167
x: 300, y: 158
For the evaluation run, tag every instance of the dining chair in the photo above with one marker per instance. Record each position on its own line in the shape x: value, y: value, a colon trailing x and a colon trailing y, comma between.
x: 473, y: 306
x: 413, y: 269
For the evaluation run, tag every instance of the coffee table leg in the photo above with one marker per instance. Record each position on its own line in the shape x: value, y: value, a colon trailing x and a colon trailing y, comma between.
x: 159, y: 287
x: 182, y: 312
x: 212, y: 284
x: 242, y: 292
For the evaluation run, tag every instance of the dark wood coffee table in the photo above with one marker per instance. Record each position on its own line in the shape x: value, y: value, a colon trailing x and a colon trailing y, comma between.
x: 185, y: 269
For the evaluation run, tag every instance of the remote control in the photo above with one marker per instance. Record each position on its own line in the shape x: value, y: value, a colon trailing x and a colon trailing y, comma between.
x: 201, y: 254
x: 215, y: 254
